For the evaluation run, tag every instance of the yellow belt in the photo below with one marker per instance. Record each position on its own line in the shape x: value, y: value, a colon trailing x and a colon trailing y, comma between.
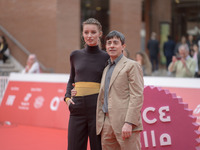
x: 87, y: 88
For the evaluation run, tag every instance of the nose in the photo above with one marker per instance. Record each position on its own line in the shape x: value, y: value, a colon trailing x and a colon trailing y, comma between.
x: 112, y: 45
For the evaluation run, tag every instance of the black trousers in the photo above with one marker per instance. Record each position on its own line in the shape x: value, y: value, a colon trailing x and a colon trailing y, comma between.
x: 82, y: 123
x: 154, y: 59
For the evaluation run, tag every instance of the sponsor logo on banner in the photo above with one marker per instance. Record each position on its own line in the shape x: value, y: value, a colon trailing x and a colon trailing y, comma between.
x: 168, y: 123
x: 55, y: 103
x: 14, y: 88
x: 10, y: 100
x: 39, y: 102
x: 33, y: 101
x: 25, y: 104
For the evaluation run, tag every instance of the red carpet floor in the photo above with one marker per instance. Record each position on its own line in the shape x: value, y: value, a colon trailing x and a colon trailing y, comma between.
x: 22, y: 137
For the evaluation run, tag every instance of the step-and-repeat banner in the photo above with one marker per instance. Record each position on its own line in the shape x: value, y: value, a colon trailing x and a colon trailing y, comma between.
x: 170, y: 112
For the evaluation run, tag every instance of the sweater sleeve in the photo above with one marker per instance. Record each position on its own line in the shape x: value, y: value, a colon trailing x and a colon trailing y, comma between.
x: 71, y: 78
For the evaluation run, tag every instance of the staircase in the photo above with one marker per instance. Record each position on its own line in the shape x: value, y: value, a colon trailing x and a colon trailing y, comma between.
x: 11, y: 65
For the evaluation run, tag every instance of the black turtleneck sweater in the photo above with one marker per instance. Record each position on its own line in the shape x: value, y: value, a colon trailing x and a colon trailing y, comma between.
x: 87, y: 65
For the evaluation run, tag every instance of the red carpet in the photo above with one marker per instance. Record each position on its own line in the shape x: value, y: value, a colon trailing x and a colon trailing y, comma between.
x: 22, y: 137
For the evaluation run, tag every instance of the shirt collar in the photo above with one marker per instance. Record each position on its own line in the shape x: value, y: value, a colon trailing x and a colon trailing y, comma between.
x: 115, y: 61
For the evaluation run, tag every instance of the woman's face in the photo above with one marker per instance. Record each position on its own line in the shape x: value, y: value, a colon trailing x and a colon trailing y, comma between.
x: 91, y: 34
x: 138, y: 58
x: 195, y: 48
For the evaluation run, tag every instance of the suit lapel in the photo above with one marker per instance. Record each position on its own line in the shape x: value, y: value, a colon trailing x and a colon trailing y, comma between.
x: 117, y: 69
x: 103, y: 83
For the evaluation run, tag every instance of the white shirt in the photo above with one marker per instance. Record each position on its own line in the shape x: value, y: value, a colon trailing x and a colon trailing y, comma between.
x: 35, y: 68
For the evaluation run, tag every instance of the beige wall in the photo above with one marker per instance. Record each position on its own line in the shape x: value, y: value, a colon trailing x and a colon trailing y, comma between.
x: 68, y: 32
x: 161, y: 12
x: 48, y: 28
x: 33, y: 24
x: 125, y: 16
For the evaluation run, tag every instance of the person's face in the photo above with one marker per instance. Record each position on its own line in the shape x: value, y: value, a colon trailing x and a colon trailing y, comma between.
x: 91, y: 34
x: 190, y: 37
x: 114, y: 48
x: 183, y: 53
x: 30, y: 61
x: 195, y: 48
x: 183, y: 39
x: 138, y: 58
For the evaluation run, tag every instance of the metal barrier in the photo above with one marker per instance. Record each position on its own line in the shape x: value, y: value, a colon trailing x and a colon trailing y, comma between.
x: 3, y: 85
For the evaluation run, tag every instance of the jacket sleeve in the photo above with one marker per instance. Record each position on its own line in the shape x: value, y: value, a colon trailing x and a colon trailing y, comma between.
x: 136, y: 87
x: 191, y: 67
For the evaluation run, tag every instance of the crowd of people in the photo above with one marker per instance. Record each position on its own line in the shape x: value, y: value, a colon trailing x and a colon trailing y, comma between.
x: 182, y: 58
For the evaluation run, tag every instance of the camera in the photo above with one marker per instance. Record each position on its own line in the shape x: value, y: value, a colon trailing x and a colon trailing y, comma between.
x: 178, y: 57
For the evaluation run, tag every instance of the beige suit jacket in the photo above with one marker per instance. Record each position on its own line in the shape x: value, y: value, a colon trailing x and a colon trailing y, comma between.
x: 125, y: 97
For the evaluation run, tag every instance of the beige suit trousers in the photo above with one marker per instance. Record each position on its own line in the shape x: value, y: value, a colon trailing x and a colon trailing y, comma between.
x: 111, y: 140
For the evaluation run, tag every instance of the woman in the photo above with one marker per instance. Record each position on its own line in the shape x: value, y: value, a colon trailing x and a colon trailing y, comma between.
x: 87, y: 66
x: 144, y: 61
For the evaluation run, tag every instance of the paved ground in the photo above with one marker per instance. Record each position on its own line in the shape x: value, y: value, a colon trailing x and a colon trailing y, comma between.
x: 162, y: 72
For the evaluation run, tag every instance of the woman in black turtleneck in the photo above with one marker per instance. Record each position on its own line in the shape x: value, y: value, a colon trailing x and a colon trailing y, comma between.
x: 87, y: 66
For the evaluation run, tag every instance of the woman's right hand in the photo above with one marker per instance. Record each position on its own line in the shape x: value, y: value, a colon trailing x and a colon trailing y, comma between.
x: 69, y: 102
x: 174, y: 59
x: 73, y: 91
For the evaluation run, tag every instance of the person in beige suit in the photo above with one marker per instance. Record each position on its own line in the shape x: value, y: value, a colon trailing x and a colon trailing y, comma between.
x: 118, y: 116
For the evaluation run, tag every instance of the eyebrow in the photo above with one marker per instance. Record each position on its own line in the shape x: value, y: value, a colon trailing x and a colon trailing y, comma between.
x: 113, y: 40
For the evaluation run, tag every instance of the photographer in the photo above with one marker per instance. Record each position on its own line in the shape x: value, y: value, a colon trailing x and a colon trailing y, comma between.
x: 183, y: 65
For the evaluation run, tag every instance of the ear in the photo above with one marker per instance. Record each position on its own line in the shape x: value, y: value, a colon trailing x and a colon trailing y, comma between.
x: 123, y: 47
x: 100, y: 34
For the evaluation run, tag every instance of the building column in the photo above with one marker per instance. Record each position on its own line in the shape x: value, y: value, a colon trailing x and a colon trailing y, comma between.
x: 126, y: 18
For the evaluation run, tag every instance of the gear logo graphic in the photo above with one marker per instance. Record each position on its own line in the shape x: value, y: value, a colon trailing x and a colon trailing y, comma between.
x: 168, y: 123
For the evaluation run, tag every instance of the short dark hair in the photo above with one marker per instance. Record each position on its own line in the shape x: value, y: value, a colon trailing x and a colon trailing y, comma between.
x: 116, y: 34
x: 169, y: 37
